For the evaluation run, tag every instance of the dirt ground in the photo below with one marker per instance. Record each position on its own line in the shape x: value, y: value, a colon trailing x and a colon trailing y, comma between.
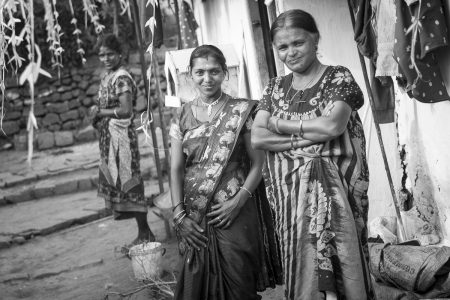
x: 83, y: 263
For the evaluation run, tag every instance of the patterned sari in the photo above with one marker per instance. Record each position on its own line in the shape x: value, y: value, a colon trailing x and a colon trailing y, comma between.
x: 319, y: 193
x: 243, y: 258
x: 120, y: 182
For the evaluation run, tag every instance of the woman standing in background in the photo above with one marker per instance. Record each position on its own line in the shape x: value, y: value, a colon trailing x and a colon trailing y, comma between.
x: 120, y: 182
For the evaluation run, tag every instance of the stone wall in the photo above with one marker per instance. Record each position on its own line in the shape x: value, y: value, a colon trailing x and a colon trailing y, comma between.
x: 62, y: 104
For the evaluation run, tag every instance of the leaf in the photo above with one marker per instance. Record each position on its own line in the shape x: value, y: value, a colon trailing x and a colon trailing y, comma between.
x: 32, y: 121
x: 150, y: 49
x: 45, y: 73
x: 26, y: 74
x: 151, y: 23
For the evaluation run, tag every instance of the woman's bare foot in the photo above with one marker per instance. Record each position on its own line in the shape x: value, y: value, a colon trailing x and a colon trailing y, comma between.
x: 145, y: 236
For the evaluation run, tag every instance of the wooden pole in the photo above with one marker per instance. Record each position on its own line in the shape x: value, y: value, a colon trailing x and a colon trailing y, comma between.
x: 137, y: 27
x: 161, y: 113
x: 380, y: 138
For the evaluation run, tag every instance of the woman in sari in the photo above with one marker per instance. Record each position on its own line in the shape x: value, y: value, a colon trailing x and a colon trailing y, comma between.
x: 224, y: 224
x: 317, y: 175
x: 120, y: 182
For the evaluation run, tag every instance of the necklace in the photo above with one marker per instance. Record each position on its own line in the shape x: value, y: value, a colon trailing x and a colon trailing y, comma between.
x: 302, y: 90
x: 217, y: 111
x: 210, y: 105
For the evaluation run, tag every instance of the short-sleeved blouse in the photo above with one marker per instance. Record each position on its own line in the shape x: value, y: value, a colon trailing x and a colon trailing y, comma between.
x: 114, y: 84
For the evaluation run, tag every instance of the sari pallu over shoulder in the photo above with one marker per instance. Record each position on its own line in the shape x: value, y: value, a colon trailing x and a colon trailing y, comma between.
x: 201, y: 272
x: 205, y: 176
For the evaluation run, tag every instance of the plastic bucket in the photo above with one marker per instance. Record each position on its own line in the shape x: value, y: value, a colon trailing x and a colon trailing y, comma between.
x: 146, y: 260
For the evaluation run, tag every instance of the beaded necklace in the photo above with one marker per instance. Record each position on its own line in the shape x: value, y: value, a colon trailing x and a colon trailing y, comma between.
x: 210, y: 105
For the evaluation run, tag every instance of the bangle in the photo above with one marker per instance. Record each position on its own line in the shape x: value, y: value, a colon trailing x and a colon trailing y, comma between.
x: 179, y: 218
x: 292, y: 141
x: 115, y: 113
x: 245, y: 189
x: 276, y: 126
x: 178, y: 214
x: 300, y: 131
x: 179, y: 203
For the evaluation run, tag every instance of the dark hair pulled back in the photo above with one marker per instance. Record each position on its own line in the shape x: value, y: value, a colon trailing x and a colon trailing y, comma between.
x: 110, y: 41
x: 205, y: 51
x: 294, y: 18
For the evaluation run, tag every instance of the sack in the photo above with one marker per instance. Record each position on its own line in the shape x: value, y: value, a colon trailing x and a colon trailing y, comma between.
x: 385, y: 228
x: 412, y: 268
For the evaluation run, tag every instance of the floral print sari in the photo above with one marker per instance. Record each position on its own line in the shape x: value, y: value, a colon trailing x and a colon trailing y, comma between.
x: 241, y: 259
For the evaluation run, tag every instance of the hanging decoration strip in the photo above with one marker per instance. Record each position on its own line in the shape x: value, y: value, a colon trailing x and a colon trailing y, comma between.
x: 8, y: 8
x: 147, y: 116
x: 77, y: 33
x: 3, y: 47
x: 90, y: 9
x: 53, y: 34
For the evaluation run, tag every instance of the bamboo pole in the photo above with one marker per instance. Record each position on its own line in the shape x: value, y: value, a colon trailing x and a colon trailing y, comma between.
x: 137, y: 27
x: 380, y: 137
x: 161, y: 113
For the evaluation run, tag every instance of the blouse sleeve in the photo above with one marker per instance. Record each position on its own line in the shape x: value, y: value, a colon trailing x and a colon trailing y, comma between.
x: 175, y: 128
x: 266, y: 101
x: 343, y: 87
x: 123, y: 84
x: 247, y: 128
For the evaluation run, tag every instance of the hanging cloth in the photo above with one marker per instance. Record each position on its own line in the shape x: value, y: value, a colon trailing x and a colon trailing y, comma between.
x: 188, y: 25
x: 364, y: 33
x: 384, y: 13
x: 365, y: 37
x: 419, y: 30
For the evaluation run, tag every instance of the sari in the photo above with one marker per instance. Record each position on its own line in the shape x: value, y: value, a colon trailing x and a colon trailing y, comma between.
x: 120, y: 182
x: 242, y: 258
x: 319, y: 193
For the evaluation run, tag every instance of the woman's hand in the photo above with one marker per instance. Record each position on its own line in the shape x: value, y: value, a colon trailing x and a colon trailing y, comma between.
x: 272, y: 124
x: 93, y: 111
x: 224, y: 214
x: 192, y: 233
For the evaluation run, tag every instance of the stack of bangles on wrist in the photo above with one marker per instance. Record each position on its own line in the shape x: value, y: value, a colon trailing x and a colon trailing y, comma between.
x: 178, y: 218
